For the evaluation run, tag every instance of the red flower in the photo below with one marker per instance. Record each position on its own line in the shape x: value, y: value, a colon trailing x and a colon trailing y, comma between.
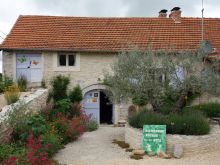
x: 10, y: 161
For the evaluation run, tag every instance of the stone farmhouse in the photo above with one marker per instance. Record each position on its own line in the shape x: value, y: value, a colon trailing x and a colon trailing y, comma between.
x: 41, y: 47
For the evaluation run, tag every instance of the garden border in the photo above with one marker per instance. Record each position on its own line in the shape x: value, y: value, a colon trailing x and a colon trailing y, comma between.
x: 192, y: 145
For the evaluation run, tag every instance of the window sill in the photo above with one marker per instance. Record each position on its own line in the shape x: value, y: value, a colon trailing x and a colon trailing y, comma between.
x: 67, y: 68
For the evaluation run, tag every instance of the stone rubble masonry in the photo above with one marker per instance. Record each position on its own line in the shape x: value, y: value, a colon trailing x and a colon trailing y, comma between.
x: 33, y: 102
x: 8, y: 64
x: 192, y: 145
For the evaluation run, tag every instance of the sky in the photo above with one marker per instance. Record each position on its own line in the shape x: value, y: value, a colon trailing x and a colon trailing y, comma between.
x: 11, y: 9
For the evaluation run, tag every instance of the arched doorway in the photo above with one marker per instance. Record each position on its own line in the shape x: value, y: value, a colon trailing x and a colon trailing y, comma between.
x: 106, y: 109
x: 97, y: 105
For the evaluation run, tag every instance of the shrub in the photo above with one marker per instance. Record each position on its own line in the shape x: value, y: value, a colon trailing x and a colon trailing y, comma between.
x: 36, y: 152
x: 76, y: 128
x: 209, y: 109
x: 76, y: 94
x: 69, y: 130
x: 37, y: 124
x: 53, y: 143
x: 22, y: 83
x: 17, y: 119
x: 12, y: 94
x: 7, y: 150
x: 60, y: 125
x: 63, y: 107
x: 167, y: 108
x: 92, y: 125
x: 5, y: 82
x: 189, y: 123
x: 145, y: 117
x: 59, y: 88
x: 33, y: 123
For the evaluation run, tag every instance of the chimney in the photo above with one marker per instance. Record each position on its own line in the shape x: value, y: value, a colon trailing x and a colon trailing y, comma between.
x: 176, y: 14
x: 163, y: 13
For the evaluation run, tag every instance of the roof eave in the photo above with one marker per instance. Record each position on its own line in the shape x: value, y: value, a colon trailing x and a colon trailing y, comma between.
x: 58, y: 49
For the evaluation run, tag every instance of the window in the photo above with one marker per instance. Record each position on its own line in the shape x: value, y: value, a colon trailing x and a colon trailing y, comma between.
x: 71, y: 60
x: 66, y: 60
x: 62, y: 60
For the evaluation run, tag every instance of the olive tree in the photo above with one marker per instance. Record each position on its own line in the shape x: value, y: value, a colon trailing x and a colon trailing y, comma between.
x: 149, y: 76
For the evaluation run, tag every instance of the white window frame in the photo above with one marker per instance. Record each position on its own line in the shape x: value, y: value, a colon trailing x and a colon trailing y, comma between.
x: 67, y: 59
x: 67, y: 68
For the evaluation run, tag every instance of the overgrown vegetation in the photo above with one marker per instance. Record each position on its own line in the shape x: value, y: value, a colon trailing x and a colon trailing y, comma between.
x: 75, y: 94
x: 37, y: 137
x: 22, y: 83
x: 191, y: 122
x: 153, y: 76
x: 92, y: 125
x: 8, y: 150
x: 4, y: 83
x: 59, y: 88
x: 12, y: 94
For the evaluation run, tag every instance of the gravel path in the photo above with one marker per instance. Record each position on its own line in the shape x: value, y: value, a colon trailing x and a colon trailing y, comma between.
x: 96, y: 148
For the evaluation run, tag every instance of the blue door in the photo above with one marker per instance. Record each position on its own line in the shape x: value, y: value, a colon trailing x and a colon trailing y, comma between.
x: 30, y: 66
x: 91, y: 104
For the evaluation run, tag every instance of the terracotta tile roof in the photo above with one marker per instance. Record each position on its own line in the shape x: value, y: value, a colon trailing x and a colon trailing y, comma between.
x: 109, y: 34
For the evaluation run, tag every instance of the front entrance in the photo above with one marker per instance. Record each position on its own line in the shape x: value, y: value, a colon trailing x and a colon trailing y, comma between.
x: 97, y: 105
x: 105, y: 109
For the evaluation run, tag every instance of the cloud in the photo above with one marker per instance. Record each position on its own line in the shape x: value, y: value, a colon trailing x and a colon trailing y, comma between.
x: 83, y: 7
x: 11, y: 9
x: 133, y: 8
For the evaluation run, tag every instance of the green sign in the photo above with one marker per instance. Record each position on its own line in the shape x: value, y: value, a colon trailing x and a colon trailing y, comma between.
x: 154, y: 138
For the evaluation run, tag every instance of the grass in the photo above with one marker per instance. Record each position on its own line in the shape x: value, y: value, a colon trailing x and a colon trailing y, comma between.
x: 12, y: 94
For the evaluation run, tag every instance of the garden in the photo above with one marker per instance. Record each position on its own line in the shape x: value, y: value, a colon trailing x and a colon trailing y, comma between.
x: 162, y: 85
x: 33, y: 138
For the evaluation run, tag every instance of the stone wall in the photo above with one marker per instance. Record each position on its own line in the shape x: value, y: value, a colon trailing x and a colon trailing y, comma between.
x: 8, y: 64
x: 206, y: 98
x: 32, y: 102
x: 191, y: 144
x: 91, y: 71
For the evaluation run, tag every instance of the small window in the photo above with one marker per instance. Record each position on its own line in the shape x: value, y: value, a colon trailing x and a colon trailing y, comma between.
x: 71, y: 60
x: 62, y: 60
x: 66, y: 60
x: 96, y: 94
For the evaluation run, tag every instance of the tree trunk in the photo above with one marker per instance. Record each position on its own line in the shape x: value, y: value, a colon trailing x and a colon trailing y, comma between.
x: 155, y: 106
x: 181, y: 103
